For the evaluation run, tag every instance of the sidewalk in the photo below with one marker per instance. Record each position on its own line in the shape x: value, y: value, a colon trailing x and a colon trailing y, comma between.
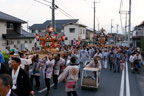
x: 140, y: 80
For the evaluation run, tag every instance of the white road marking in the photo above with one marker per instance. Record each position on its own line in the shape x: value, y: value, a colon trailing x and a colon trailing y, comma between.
x: 122, y: 84
x: 45, y: 89
x: 127, y: 82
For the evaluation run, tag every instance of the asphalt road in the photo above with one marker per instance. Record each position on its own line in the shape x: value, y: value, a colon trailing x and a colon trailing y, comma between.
x: 111, y: 84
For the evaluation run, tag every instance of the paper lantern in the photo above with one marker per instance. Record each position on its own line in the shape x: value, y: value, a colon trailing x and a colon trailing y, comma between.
x: 37, y: 37
x: 54, y: 45
x: 54, y: 37
x: 50, y: 29
x: 77, y: 43
x: 63, y: 37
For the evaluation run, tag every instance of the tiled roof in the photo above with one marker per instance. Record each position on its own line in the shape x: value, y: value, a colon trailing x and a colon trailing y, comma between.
x: 9, y: 18
x: 24, y: 35
x: 59, y: 24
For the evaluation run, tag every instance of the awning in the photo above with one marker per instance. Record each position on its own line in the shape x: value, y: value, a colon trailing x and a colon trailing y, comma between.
x: 137, y: 37
x: 24, y: 35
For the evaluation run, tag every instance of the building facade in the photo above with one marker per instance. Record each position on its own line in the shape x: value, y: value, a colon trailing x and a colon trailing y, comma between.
x: 11, y: 34
x: 74, y: 31
x: 138, y: 34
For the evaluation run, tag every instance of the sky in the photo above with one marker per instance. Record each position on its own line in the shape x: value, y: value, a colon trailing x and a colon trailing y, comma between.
x: 106, y: 10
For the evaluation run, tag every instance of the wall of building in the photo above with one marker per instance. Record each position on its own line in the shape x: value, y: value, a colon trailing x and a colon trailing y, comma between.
x: 91, y: 36
x: 19, y: 29
x: 83, y: 33
x: 139, y: 32
x: 19, y: 43
x: 3, y: 27
x: 69, y: 35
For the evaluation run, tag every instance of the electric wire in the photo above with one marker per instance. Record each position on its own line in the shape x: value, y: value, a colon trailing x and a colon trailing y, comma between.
x: 73, y: 13
x: 28, y: 10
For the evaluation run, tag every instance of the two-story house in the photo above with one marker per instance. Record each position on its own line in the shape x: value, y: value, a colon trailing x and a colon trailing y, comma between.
x: 74, y: 31
x: 89, y: 35
x: 138, y: 34
x: 11, y: 34
x: 42, y: 28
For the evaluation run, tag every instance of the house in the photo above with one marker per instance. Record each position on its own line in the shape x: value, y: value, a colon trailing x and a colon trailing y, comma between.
x: 89, y: 35
x: 12, y: 35
x: 113, y: 38
x: 74, y: 31
x: 42, y: 28
x: 138, y: 34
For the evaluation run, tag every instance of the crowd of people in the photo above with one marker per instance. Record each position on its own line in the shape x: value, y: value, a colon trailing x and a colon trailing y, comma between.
x: 62, y: 67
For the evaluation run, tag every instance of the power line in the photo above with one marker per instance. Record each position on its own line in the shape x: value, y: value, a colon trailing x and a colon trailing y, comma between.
x: 47, y: 1
x: 65, y: 12
x: 61, y: 10
x: 28, y: 10
x: 42, y: 3
x: 73, y: 13
x: 69, y: 16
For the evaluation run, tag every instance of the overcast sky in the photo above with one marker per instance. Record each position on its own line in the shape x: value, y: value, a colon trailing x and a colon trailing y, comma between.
x: 34, y: 12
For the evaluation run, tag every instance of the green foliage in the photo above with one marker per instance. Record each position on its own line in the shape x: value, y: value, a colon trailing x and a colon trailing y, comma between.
x: 6, y: 57
x: 142, y: 44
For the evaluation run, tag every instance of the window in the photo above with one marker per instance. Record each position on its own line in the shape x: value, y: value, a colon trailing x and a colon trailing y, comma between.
x: 25, y: 41
x: 10, y: 25
x: 39, y: 30
x: 80, y: 31
x: 18, y: 42
x: 83, y: 31
x: 72, y: 30
x: 30, y: 41
x: 33, y: 31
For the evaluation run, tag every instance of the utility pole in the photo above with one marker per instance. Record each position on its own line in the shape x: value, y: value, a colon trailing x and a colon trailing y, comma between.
x: 53, y: 14
x: 98, y: 26
x: 129, y: 23
x: 126, y: 27
x: 111, y: 25
x: 111, y: 28
x: 117, y: 31
x: 94, y: 24
x: 117, y: 28
x: 27, y: 27
x: 94, y: 21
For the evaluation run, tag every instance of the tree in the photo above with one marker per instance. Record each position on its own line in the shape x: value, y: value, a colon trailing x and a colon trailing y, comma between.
x: 142, y: 43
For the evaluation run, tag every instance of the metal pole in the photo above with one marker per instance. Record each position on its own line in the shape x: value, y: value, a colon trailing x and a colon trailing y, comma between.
x: 129, y: 23
x: 117, y: 31
x: 111, y: 26
x: 98, y: 26
x: 53, y: 14
x: 111, y: 29
x: 94, y: 25
x: 126, y: 27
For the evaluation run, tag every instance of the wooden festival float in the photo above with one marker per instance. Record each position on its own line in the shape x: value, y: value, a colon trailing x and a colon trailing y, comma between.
x: 50, y: 43
x: 102, y: 39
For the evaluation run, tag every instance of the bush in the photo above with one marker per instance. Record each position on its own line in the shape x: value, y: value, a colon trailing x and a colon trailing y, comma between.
x: 142, y: 44
x: 6, y: 57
